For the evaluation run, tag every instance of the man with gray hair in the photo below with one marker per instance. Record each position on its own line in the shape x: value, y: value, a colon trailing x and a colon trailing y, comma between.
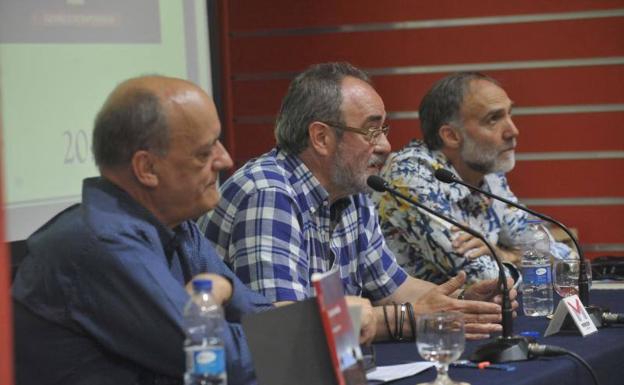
x: 467, y: 128
x: 100, y: 296
x: 302, y: 209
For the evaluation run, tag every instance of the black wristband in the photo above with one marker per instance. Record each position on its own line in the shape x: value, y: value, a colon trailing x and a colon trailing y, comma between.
x: 412, y: 319
x: 396, y: 321
x: 385, y: 312
x: 399, y: 333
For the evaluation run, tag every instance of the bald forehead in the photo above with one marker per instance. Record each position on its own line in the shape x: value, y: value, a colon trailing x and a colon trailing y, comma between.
x: 482, y: 86
x: 173, y: 93
x: 359, y: 96
x: 483, y: 94
x: 165, y: 88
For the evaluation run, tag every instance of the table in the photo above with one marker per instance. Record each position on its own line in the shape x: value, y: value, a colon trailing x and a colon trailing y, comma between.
x: 604, y: 351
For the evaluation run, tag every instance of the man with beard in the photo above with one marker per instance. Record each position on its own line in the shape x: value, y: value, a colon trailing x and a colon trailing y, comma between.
x: 301, y: 209
x: 467, y: 128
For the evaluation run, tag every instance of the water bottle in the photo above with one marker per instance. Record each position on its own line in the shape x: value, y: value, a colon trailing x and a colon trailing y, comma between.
x: 203, y: 322
x: 537, y: 293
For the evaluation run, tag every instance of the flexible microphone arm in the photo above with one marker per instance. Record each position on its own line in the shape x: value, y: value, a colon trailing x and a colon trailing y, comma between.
x: 380, y: 185
x: 447, y: 176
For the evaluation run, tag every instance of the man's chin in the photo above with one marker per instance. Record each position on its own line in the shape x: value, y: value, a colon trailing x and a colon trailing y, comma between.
x: 481, y: 168
x: 211, y: 201
x: 506, y: 165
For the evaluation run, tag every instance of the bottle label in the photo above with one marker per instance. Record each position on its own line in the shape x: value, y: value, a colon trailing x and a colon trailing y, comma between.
x: 538, y: 275
x: 206, y: 360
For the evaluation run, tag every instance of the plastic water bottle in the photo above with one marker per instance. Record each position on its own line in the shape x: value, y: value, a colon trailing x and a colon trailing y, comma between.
x: 537, y: 292
x: 205, y: 355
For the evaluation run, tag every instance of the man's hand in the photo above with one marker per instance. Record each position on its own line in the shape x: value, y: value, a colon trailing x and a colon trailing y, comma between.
x: 221, y: 287
x: 368, y: 328
x: 481, y: 318
x: 471, y: 247
x: 467, y: 245
x: 487, y: 291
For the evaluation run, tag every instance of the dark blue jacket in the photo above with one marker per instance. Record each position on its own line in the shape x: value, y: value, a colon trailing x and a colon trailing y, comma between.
x: 99, y: 298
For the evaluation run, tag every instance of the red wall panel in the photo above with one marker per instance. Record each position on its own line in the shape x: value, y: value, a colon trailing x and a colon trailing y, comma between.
x: 250, y: 15
x: 595, y: 224
x: 557, y: 86
x: 472, y: 44
x: 254, y: 140
x: 568, y: 178
x: 545, y: 133
x: 259, y: 97
x: 571, y: 132
x: 527, y: 87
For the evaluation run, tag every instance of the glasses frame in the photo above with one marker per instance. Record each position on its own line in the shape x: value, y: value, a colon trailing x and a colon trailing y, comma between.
x: 371, y: 134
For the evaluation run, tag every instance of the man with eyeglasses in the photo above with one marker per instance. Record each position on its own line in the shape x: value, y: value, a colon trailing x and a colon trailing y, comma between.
x: 301, y: 208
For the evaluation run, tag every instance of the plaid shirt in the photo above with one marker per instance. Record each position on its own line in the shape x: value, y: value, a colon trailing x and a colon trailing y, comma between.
x: 274, y: 228
x: 421, y: 244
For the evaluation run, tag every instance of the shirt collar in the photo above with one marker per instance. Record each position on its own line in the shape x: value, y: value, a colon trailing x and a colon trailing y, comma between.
x: 303, y: 181
x: 107, y: 198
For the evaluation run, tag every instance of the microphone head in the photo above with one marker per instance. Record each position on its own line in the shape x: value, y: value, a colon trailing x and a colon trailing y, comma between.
x: 444, y: 175
x: 377, y: 183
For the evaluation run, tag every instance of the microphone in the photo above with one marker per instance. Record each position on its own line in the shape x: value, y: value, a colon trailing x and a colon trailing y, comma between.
x: 503, y: 349
x: 447, y: 176
x: 612, y: 318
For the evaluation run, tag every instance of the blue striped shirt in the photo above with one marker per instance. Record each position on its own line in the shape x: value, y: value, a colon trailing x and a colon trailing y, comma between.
x: 273, y: 226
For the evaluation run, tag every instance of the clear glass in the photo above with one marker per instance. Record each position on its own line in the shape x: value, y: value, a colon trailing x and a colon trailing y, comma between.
x: 440, y: 339
x: 565, y: 274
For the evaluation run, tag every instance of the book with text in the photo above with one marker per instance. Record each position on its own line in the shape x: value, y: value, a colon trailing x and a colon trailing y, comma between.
x: 342, y: 341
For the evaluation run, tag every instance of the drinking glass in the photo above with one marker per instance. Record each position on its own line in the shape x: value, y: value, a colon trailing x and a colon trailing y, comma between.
x: 440, y: 339
x: 566, y: 274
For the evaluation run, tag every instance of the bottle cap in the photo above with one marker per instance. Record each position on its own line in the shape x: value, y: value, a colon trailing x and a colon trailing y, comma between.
x: 202, y: 285
x: 533, y: 334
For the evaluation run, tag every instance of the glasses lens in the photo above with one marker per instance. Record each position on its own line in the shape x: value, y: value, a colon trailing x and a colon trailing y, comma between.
x: 376, y: 133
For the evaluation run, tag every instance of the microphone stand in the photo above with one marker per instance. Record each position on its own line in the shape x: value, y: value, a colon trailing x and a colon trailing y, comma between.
x: 595, y: 313
x: 506, y: 348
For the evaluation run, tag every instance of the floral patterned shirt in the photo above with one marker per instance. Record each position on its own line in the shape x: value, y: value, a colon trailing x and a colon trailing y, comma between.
x: 421, y: 242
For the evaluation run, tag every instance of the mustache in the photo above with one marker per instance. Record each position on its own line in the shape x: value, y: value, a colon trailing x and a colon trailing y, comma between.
x: 377, y: 160
x: 511, y: 144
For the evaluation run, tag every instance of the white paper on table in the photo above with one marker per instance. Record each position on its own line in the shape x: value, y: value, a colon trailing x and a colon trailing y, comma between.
x: 394, y: 372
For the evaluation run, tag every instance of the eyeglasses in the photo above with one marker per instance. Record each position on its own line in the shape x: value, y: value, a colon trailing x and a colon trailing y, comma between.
x: 371, y: 134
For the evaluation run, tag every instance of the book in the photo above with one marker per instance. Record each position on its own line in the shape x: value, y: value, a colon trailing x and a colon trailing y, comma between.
x: 342, y: 341
x: 311, y: 342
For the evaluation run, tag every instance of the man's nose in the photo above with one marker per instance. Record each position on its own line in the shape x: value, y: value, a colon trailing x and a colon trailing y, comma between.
x: 511, y: 131
x: 382, y: 144
x: 222, y: 161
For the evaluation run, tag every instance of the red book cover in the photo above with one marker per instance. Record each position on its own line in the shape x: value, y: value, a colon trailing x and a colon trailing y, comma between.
x: 343, y: 344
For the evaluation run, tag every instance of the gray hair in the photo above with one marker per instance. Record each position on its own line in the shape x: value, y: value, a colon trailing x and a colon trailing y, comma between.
x: 442, y: 103
x: 314, y: 95
x: 134, y: 121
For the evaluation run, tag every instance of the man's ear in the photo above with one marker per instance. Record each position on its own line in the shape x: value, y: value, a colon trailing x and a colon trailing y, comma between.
x: 451, y: 136
x: 144, y: 168
x: 322, y: 138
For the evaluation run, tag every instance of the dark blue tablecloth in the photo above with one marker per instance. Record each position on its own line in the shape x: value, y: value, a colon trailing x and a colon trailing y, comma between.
x: 604, y: 351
